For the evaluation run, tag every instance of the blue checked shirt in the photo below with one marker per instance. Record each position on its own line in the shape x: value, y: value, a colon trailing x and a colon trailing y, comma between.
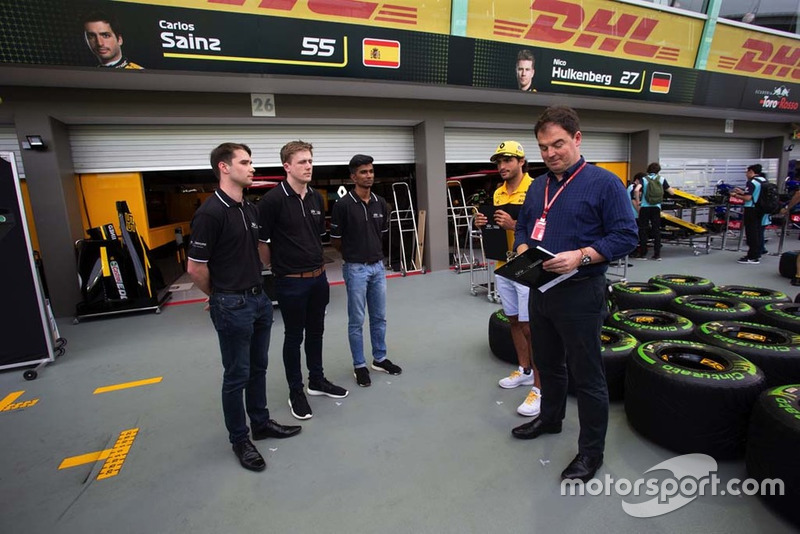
x: 593, y: 211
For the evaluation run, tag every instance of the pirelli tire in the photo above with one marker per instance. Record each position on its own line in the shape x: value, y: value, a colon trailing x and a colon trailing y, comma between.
x: 616, y: 347
x: 649, y: 324
x: 683, y: 284
x: 691, y: 397
x: 774, y: 350
x: 500, y: 342
x: 703, y: 308
x: 784, y: 315
x: 772, y: 444
x: 754, y: 296
x: 632, y: 295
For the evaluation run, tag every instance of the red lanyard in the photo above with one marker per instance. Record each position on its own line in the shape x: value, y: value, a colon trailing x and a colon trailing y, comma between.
x: 549, y: 204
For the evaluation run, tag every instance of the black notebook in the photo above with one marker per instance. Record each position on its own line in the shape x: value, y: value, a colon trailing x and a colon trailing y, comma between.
x: 495, y: 239
x: 527, y: 269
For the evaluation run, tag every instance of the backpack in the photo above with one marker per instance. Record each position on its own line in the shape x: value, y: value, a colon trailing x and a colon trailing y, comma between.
x: 654, y: 193
x: 769, y: 201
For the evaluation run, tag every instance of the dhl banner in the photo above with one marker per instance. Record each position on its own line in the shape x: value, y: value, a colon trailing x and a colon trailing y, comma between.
x: 628, y: 61
x: 736, y: 50
x: 418, y: 15
x: 600, y: 27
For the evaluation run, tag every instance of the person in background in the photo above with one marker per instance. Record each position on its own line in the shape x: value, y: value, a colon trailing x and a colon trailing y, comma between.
x: 753, y: 220
x: 224, y: 264
x: 582, y: 214
x: 650, y: 211
x: 359, y: 222
x: 512, y: 167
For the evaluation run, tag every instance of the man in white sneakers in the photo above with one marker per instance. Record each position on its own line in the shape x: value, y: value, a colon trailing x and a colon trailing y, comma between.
x: 511, y: 164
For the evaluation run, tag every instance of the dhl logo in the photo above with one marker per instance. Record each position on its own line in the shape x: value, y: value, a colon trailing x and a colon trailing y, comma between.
x: 352, y: 9
x: 763, y: 57
x: 557, y: 22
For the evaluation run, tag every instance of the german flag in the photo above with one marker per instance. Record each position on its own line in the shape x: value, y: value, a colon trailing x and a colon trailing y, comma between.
x: 381, y: 53
x: 660, y: 82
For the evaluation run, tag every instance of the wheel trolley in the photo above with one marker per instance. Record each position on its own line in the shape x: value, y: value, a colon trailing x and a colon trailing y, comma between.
x: 406, y: 224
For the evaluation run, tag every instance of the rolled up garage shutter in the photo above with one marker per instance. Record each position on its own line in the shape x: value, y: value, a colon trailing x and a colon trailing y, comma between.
x: 9, y: 143
x: 125, y: 148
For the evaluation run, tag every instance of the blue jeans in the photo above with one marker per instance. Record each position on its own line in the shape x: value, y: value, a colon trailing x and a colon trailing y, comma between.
x: 302, y: 302
x: 366, y: 288
x: 243, y: 322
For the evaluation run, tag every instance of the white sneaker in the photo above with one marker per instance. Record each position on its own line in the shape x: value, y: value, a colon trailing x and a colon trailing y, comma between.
x: 532, y: 404
x: 517, y: 378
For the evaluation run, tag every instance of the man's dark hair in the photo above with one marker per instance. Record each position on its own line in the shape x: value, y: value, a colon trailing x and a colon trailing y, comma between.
x: 756, y: 168
x: 638, y: 177
x: 525, y: 55
x: 102, y: 16
x: 357, y: 161
x: 224, y: 153
x: 563, y: 116
x: 653, y: 168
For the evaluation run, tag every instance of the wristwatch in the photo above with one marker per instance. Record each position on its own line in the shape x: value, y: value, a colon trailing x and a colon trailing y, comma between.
x: 585, y: 258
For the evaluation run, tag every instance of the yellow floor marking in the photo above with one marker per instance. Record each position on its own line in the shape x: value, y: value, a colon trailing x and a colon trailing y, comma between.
x: 118, y: 454
x: 126, y: 385
x: 8, y: 404
x: 114, y: 457
x: 87, y: 458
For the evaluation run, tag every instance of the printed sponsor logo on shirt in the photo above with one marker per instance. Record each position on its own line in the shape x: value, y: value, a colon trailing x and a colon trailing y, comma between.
x: 315, y: 212
x: 377, y: 215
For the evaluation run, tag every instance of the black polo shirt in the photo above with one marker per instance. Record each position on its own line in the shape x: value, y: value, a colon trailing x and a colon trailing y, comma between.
x: 361, y: 227
x: 293, y: 227
x: 225, y: 235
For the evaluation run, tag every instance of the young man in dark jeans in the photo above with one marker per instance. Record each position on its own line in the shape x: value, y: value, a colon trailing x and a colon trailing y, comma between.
x: 224, y: 264
x: 292, y: 219
x: 359, y: 222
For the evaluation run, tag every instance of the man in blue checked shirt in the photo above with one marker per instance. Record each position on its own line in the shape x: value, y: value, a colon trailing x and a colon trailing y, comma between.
x: 582, y: 214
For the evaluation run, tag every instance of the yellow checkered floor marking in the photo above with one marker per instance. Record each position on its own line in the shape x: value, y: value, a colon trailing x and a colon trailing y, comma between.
x: 118, y: 454
x: 8, y: 404
x: 126, y: 385
x: 114, y: 457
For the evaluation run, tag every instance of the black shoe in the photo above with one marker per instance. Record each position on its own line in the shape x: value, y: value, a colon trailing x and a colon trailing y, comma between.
x: 275, y: 430
x: 249, y: 456
x: 582, y: 467
x: 386, y: 366
x: 534, y: 429
x: 299, y: 404
x: 362, y: 376
x: 323, y: 387
x: 796, y: 281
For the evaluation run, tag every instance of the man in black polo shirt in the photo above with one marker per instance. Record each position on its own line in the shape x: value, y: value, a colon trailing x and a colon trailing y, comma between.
x: 359, y: 222
x: 292, y: 220
x: 224, y: 264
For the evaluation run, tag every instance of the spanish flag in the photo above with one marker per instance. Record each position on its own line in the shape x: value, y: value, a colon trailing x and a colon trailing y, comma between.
x: 381, y: 53
x: 660, y: 82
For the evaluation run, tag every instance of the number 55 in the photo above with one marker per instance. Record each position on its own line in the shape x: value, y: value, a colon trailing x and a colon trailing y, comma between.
x: 314, y: 46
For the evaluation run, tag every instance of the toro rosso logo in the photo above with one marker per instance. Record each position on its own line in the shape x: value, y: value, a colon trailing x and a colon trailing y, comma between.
x: 778, y: 98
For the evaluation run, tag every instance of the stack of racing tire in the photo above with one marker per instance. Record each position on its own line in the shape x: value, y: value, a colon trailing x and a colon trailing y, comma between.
x: 705, y: 369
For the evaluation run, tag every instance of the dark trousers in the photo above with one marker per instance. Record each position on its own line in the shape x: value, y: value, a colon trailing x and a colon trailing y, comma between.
x: 302, y: 302
x: 752, y: 232
x: 650, y: 223
x: 243, y: 322
x: 565, y: 326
